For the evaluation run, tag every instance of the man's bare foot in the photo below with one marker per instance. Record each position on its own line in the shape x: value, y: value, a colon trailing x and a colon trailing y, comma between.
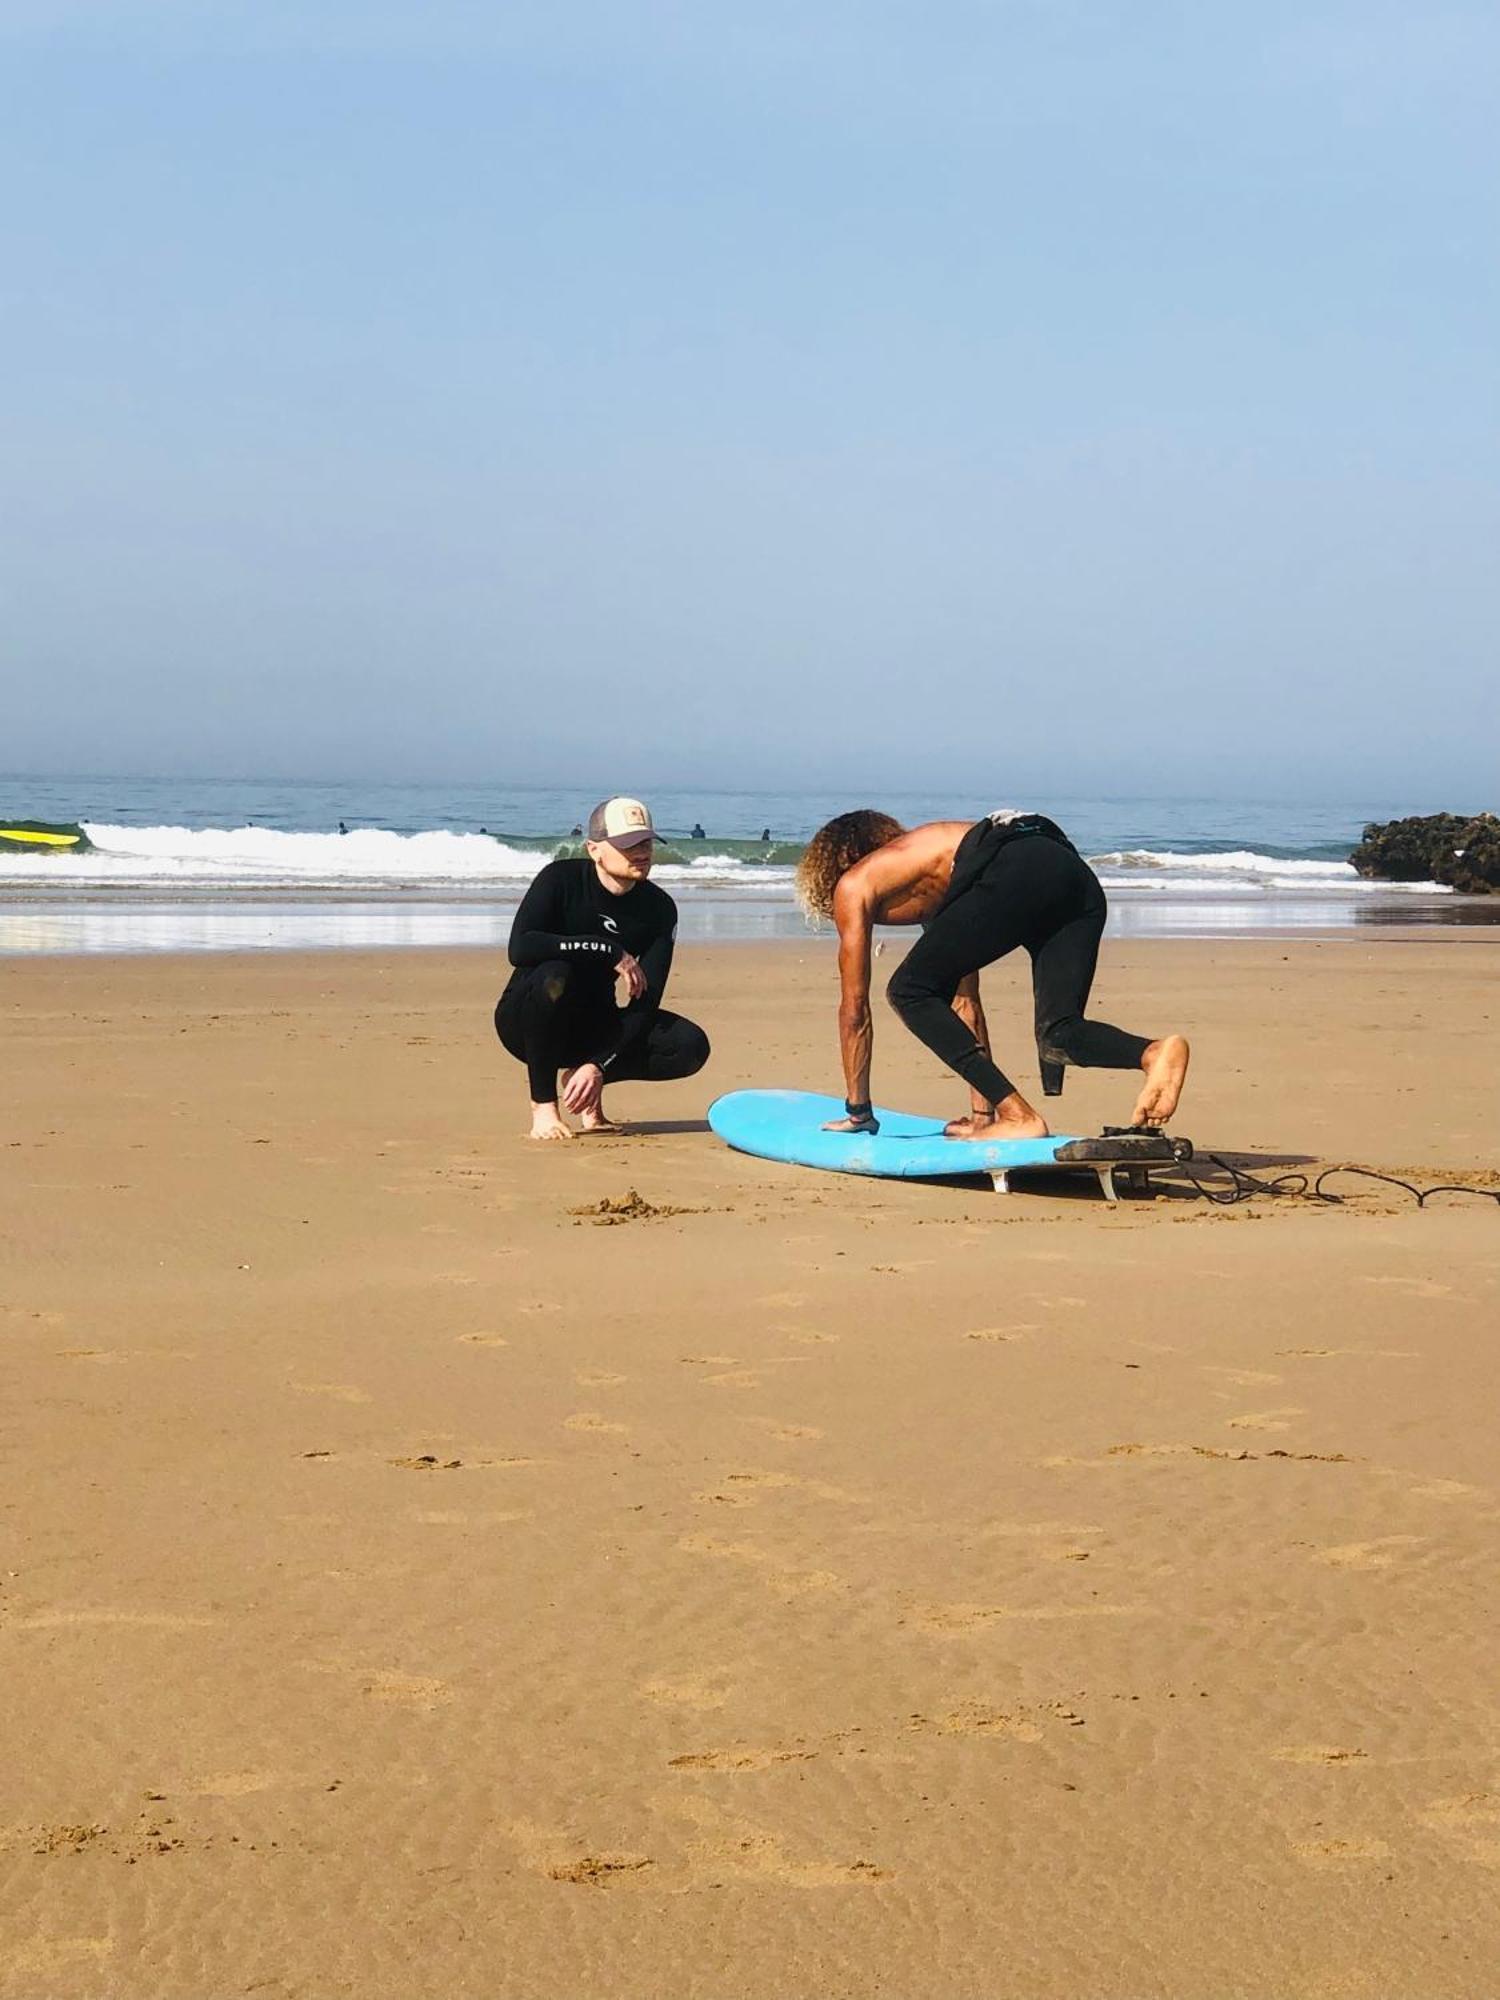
x: 597, y: 1120
x: 591, y: 1117
x: 546, y: 1123
x: 1166, y: 1065
x: 1012, y: 1118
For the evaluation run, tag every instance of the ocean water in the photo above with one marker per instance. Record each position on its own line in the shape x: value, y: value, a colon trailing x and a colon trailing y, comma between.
x: 242, y: 864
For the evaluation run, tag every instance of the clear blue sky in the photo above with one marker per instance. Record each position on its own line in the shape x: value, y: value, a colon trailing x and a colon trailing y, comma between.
x: 1094, y: 397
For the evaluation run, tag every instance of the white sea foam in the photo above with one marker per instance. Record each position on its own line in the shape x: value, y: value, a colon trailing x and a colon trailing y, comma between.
x: 1239, y: 862
x: 1239, y: 872
x: 259, y: 857
x: 160, y: 858
x: 255, y: 856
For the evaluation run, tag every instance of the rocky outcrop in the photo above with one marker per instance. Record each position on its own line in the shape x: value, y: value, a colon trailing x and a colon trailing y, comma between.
x: 1461, y: 853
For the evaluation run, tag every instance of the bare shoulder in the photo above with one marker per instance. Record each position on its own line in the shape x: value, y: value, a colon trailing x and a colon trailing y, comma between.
x: 944, y: 834
x: 855, y: 893
x: 916, y: 853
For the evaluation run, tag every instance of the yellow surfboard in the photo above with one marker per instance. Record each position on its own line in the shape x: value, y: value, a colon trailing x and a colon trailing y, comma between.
x: 35, y: 833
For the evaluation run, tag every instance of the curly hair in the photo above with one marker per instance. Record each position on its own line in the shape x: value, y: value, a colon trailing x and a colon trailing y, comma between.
x: 835, y: 848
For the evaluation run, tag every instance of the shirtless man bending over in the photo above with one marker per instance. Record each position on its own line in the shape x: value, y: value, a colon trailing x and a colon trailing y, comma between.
x: 978, y: 889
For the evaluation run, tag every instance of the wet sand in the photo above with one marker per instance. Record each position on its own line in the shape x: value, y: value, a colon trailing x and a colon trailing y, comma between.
x: 420, y: 1581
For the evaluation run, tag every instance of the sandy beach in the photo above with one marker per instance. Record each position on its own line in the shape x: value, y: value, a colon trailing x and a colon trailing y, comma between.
x: 418, y: 1581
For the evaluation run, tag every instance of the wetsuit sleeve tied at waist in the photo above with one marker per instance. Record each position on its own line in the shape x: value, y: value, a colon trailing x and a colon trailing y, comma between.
x: 983, y: 842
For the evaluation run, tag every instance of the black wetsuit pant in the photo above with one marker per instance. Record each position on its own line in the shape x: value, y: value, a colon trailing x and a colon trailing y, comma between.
x: 1040, y: 894
x: 561, y: 1014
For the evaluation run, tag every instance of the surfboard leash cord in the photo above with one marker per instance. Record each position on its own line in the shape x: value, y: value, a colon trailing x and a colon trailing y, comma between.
x: 1245, y: 1186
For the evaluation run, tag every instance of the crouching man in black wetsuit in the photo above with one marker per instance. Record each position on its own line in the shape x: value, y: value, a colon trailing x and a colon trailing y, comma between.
x: 978, y: 889
x: 581, y: 924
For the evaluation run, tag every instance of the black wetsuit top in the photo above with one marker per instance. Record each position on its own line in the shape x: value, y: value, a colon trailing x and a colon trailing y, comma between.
x: 567, y: 914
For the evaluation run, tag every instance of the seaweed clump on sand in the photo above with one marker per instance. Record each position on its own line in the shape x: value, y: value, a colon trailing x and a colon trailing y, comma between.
x: 1459, y: 852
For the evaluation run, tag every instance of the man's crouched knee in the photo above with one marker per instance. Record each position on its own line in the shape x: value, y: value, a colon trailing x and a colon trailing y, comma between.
x: 904, y: 992
x: 690, y: 1049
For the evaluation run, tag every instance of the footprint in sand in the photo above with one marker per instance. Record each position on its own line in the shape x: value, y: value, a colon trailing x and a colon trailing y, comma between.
x: 594, y: 1870
x: 164, y: 1621
x: 1020, y: 1725
x: 1244, y: 1378
x: 783, y: 1301
x: 113, y: 1357
x: 48, y: 1956
x: 974, y: 1719
x: 949, y: 1618
x: 1116, y: 1453
x: 739, y: 1759
x: 454, y: 1517
x: 590, y: 1420
x: 1447, y: 1489
x: 1471, y: 1820
x: 341, y: 1392
x: 1316, y: 1753
x: 786, y: 1582
x: 1340, y: 1853
x: 787, y: 1433
x: 554, y: 1854
x: 236, y: 1784
x: 1265, y: 1420
x: 1380, y: 1553
x: 1062, y: 1531
x: 709, y: 1360
x: 598, y: 1378
x: 818, y: 1489
x: 1358, y: 1353
x: 484, y: 1339
x: 699, y: 1695
x: 1018, y: 1331
x: 730, y: 1846
x: 419, y: 1691
x: 1419, y: 1288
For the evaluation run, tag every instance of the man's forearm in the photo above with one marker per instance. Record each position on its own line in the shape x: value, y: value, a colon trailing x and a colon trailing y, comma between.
x: 857, y: 1043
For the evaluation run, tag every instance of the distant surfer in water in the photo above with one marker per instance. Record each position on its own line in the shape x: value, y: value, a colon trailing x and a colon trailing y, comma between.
x: 979, y: 889
x: 581, y: 925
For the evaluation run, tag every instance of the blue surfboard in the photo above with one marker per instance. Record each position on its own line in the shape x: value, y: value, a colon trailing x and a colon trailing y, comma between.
x: 787, y: 1125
